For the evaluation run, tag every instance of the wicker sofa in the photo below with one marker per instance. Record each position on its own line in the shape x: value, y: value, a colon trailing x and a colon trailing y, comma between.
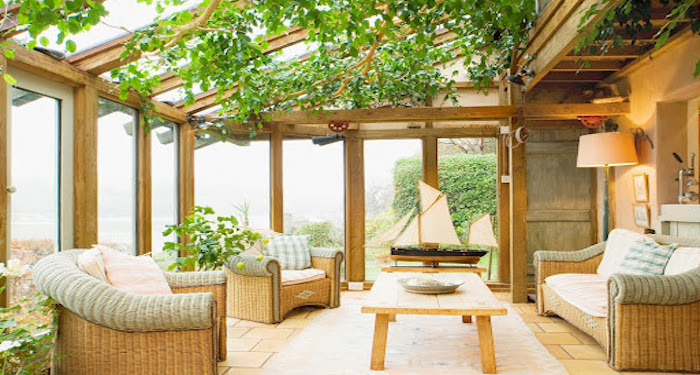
x: 652, y: 322
x: 103, y: 330
x: 256, y: 293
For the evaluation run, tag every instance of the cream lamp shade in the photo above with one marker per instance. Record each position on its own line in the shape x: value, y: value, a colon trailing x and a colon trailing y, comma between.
x: 606, y: 149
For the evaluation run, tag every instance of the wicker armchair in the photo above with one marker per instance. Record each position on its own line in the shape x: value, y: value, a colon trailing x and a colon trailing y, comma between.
x: 103, y: 330
x: 653, y: 321
x: 255, y: 292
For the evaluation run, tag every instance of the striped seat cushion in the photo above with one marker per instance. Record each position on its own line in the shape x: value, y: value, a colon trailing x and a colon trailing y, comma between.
x: 646, y: 258
x: 293, y: 277
x: 293, y: 252
x: 587, y: 292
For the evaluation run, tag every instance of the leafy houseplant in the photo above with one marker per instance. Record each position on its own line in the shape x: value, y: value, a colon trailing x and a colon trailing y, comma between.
x: 26, y: 329
x: 211, y: 240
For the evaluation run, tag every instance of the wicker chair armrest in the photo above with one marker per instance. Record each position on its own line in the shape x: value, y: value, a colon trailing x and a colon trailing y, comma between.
x: 324, y: 252
x: 184, y: 279
x: 58, y: 277
x: 570, y: 256
x: 254, y: 267
x: 677, y: 289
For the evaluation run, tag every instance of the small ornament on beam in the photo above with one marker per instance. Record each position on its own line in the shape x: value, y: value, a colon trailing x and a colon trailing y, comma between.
x: 338, y: 126
x: 592, y: 122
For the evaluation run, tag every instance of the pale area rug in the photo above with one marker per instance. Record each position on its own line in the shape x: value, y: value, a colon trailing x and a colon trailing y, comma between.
x: 339, y: 341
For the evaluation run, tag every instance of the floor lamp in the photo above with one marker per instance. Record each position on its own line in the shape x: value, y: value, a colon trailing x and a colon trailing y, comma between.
x: 606, y: 150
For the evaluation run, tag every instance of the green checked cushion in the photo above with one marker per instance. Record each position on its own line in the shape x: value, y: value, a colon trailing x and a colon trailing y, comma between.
x: 646, y: 258
x: 293, y: 252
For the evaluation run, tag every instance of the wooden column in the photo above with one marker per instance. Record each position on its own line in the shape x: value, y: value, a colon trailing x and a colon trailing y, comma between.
x: 186, y: 170
x: 354, y: 208
x: 430, y: 161
x: 4, y: 173
x: 503, y: 191
x: 144, y: 213
x: 276, y: 183
x: 85, y: 166
x: 518, y: 207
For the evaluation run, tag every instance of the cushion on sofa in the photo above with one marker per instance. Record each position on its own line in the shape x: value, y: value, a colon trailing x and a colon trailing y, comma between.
x: 293, y: 277
x: 136, y: 275
x: 587, y: 292
x: 293, y: 252
x: 682, y: 260
x: 617, y: 246
x: 90, y: 262
x: 646, y: 258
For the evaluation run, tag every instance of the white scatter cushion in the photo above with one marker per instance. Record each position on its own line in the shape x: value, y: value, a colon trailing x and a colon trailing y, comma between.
x: 91, y: 262
x: 293, y: 252
x: 292, y: 277
x: 588, y: 292
x: 682, y: 260
x: 616, y: 248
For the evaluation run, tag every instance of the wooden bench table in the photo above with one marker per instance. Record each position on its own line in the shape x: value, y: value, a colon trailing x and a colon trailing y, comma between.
x: 387, y: 299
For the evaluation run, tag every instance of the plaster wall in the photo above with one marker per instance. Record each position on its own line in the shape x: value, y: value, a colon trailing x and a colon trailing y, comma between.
x: 662, y: 94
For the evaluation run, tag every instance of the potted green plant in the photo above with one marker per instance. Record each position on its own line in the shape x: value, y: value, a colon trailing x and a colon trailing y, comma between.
x: 210, y: 240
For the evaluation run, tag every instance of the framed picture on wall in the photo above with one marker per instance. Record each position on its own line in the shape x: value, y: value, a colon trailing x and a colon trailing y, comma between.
x: 641, y: 187
x: 641, y: 215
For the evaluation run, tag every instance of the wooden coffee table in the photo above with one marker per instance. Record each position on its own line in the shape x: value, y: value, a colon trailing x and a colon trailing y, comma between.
x: 387, y: 299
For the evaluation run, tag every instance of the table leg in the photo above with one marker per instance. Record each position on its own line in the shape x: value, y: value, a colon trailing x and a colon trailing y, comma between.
x: 381, y: 328
x: 466, y: 319
x: 488, y: 355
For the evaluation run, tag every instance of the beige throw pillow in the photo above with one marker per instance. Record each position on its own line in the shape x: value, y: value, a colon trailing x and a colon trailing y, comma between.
x: 90, y: 262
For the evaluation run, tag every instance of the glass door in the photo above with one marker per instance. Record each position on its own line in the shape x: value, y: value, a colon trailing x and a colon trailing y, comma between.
x: 34, y: 166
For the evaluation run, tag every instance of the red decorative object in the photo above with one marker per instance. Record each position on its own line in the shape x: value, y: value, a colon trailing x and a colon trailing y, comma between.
x: 592, y: 122
x: 338, y: 126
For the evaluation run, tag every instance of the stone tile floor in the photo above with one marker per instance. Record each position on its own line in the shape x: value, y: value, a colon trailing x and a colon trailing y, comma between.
x: 251, y: 345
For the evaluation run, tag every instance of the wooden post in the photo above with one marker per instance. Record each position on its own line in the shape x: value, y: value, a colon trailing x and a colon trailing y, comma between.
x: 85, y: 166
x: 518, y: 207
x: 143, y: 191
x: 430, y: 161
x: 276, y: 183
x: 354, y: 208
x: 4, y: 173
x: 503, y: 191
x: 186, y: 170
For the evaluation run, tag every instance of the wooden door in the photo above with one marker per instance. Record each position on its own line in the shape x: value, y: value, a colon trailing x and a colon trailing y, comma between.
x: 561, y: 212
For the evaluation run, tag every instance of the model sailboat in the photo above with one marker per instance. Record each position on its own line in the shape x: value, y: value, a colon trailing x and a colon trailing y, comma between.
x: 420, y: 239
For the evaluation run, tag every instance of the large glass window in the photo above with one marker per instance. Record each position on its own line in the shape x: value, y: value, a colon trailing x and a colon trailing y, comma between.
x: 467, y: 173
x: 392, y: 169
x: 164, y: 183
x: 232, y: 175
x: 314, y: 191
x: 34, y: 182
x: 116, y: 176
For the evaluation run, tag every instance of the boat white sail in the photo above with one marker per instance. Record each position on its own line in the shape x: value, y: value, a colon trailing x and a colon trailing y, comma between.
x: 391, y: 234
x: 481, y: 232
x: 433, y: 224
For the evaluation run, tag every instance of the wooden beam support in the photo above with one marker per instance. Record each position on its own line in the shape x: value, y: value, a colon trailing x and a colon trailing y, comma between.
x: 85, y: 210
x: 673, y: 42
x: 60, y: 71
x: 354, y: 208
x: 469, y: 131
x: 430, y: 161
x: 563, y: 36
x: 591, y: 66
x: 517, y: 164
x: 144, y: 219
x: 4, y: 175
x: 579, y: 77
x: 185, y: 151
x: 104, y: 57
x: 503, y: 192
x: 424, y: 114
x: 276, y: 181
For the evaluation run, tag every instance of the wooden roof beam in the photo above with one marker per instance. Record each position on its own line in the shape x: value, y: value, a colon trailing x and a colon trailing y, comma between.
x: 563, y: 39
x: 435, y: 114
x: 590, y: 66
x: 60, y: 71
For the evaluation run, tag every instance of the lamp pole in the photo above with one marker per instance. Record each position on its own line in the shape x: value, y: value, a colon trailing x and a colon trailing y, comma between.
x: 605, y: 202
